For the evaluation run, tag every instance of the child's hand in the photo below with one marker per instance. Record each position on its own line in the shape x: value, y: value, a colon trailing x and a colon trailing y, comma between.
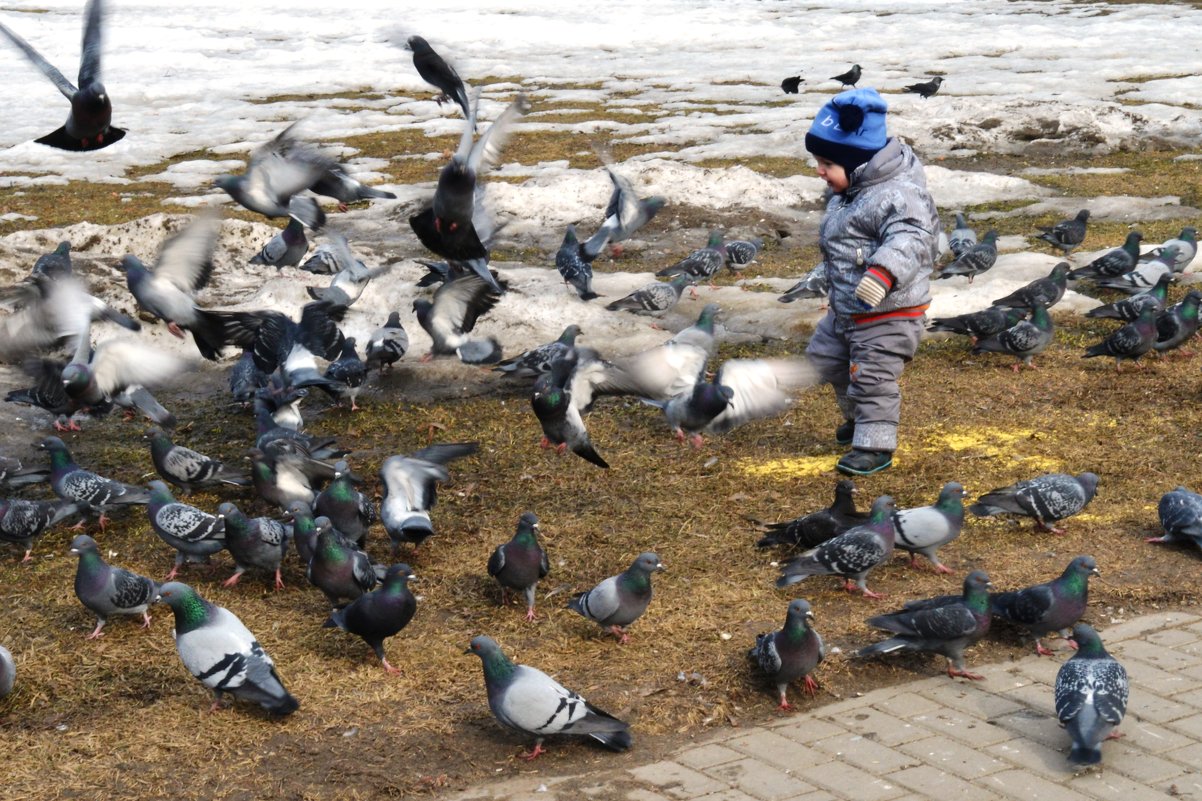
x: 873, y: 287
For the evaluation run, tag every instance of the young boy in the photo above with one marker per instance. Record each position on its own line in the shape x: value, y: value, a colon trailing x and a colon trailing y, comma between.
x: 879, y: 239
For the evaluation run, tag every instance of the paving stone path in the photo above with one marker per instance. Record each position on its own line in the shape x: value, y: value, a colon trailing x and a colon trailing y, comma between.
x: 995, y: 740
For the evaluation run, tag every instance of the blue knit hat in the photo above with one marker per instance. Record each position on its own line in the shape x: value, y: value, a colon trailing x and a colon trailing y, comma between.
x: 849, y: 129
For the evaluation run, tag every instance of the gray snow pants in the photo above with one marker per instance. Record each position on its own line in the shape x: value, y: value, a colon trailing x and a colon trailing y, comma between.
x: 862, y: 364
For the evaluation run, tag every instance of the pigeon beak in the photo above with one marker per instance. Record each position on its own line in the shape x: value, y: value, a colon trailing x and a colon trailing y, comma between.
x: 661, y: 566
x: 809, y: 615
x: 73, y: 550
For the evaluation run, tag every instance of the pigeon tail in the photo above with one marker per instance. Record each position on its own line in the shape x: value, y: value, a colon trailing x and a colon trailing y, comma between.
x: 1082, y: 754
x: 307, y: 211
x: 480, y: 351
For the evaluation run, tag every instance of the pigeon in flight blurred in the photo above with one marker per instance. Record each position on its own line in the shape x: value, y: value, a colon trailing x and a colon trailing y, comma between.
x: 575, y: 261
x: 1067, y: 234
x: 849, y: 78
x: 276, y: 174
x: 562, y: 425
x: 926, y: 88
x: 450, y: 318
x: 625, y: 213
x: 336, y: 183
x: 435, y: 71
x: 351, y: 277
x: 813, y: 284
x: 89, y: 124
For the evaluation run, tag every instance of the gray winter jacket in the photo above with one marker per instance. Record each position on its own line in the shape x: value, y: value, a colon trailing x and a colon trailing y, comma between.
x: 885, y: 218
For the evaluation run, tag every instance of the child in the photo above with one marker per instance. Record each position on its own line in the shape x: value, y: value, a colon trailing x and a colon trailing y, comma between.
x: 879, y: 239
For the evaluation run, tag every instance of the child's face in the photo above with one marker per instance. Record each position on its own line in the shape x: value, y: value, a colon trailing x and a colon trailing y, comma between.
x: 834, y: 175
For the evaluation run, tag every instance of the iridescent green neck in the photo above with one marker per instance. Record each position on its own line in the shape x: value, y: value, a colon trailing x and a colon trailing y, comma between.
x: 190, y: 612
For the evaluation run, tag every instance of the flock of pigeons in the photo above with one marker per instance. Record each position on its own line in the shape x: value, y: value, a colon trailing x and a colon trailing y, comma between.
x: 925, y: 89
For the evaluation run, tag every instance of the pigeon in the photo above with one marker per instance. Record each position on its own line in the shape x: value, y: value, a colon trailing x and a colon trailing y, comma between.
x: 56, y: 264
x: 282, y: 343
x: 261, y: 542
x: 1180, y: 514
x: 220, y: 651
x: 89, y: 125
x: 410, y: 484
x: 1024, y: 340
x: 1091, y: 696
x: 529, y: 701
x: 620, y: 600
x: 435, y: 71
x: 980, y: 324
x: 1128, y: 309
x: 700, y: 265
x: 974, y: 261
x: 813, y: 285
x: 849, y: 78
x: 338, y: 568
x: 48, y: 393
x: 349, y: 510
x: 1045, y: 292
x: 387, y: 344
x: 1067, y: 235
x: 287, y: 248
x: 926, y: 88
x: 815, y: 528
x: 281, y: 478
x: 22, y: 522
x: 335, y: 183
x: 13, y: 474
x: 276, y: 174
x: 8, y: 671
x: 658, y: 373
x: 246, y: 378
x: 925, y: 529
x: 304, y: 530
x: 381, y: 613
x: 1177, y: 324
x: 946, y: 629
x: 537, y: 361
x: 188, y: 469
x: 852, y: 554
x: 349, y: 372
x: 741, y: 252
x: 1047, y: 498
x: 449, y: 320
x: 575, y: 262
x: 108, y: 590
x: 1186, y: 245
x: 625, y: 213
x: 195, y: 535
x: 562, y: 425
x: 521, y: 562
x: 351, y: 277
x: 93, y: 493
x: 53, y: 313
x: 1113, y: 262
x: 1131, y: 342
x: 962, y: 238
x: 1141, y: 278
x: 790, y: 85
x: 1054, y: 606
x: 791, y: 653
x: 656, y: 297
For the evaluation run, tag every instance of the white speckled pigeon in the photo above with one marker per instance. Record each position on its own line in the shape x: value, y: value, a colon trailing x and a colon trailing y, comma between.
x: 703, y: 264
x: 1024, y: 340
x: 852, y: 554
x: 537, y: 361
x: 1128, y: 309
x: 926, y: 529
x: 521, y: 562
x: 813, y: 284
x: 22, y: 521
x: 974, y: 261
x: 741, y: 252
x: 92, y: 492
x: 195, y: 535
x: 655, y: 298
x: 108, y: 590
x: 961, y: 238
x: 1045, y: 292
x: 620, y: 600
x: 188, y: 469
x: 1113, y: 262
x: 261, y: 542
x: 575, y: 262
x: 1091, y: 696
x: 1046, y: 499
x: 791, y: 653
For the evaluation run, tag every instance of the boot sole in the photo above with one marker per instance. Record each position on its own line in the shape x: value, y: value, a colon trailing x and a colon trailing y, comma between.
x: 852, y: 471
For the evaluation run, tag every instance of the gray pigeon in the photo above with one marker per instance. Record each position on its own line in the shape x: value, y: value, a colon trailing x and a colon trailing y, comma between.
x: 575, y: 262
x: 276, y: 174
x: 221, y: 652
x: 1046, y: 499
x: 285, y: 249
x: 1046, y: 291
x: 1180, y: 513
x: 8, y: 671
x: 1112, y: 263
x: 56, y: 264
x: 791, y: 653
x: 620, y: 600
x: 1024, y: 340
x: 521, y: 562
x: 531, y: 702
x: 188, y: 469
x: 410, y: 490
x: 349, y: 373
x: 381, y: 613
x: 625, y: 213
x: 337, y: 568
x: 1129, y: 309
x: 961, y: 238
x: 926, y: 529
x: 22, y: 522
x: 1142, y: 278
x: 1131, y: 342
x: 351, y: 278
x: 852, y: 554
x: 1186, y: 245
x: 108, y: 590
x: 1178, y: 324
x: 195, y: 535
x: 1053, y: 606
x: 1067, y: 235
x: 656, y: 297
x: 1091, y: 696
x: 349, y: 510
x: 451, y: 317
x: 979, y: 324
x: 974, y: 261
x: 741, y: 252
x: 387, y: 344
x: 336, y: 183
x: 93, y: 493
x: 537, y: 361
x: 813, y: 284
x: 945, y: 629
x: 13, y: 474
x: 261, y: 542
x: 700, y: 265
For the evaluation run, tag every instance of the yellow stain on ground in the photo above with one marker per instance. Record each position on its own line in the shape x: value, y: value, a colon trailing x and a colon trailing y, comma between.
x: 793, y: 467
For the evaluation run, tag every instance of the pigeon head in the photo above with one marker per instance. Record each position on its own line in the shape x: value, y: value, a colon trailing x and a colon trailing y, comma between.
x: 977, y: 580
x: 568, y: 337
x: 484, y: 647
x: 299, y: 509
x: 189, y: 608
x: 882, y: 508
x: 83, y: 544
x: 1088, y: 643
x: 1083, y: 566
x: 1090, y: 482
x: 52, y: 444
x: 76, y: 378
x: 528, y: 519
x: 417, y: 44
x: 800, y: 610
x: 402, y: 570
x: 648, y: 562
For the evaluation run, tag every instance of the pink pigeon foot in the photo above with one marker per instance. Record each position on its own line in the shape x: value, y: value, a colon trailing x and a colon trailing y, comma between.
x: 392, y: 670
x: 533, y: 753
x: 953, y: 673
x: 175, y: 330
x: 810, y: 686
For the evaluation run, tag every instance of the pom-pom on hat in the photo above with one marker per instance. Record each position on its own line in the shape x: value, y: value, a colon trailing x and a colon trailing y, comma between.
x: 849, y: 129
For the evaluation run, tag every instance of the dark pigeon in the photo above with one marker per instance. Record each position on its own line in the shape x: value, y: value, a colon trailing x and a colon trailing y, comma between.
x: 849, y: 78
x: 656, y: 297
x: 815, y: 528
x: 575, y: 262
x: 13, y: 474
x: 220, y: 651
x: 1142, y: 278
x: 195, y: 535
x: 304, y: 530
x: 537, y: 361
x: 926, y: 529
x: 349, y: 510
x: 1177, y: 324
x: 926, y: 88
x: 1180, y: 513
x: 56, y: 264
x: 980, y: 324
x: 1067, y: 235
x: 1091, y: 696
x: 620, y: 600
x: 559, y: 417
x: 946, y: 629
x: 285, y: 249
x: 108, y: 590
x: 337, y: 568
x: 348, y: 372
x: 1024, y: 340
x: 381, y: 613
x: 277, y: 173
x: 1054, y: 606
x: 1045, y: 292
x: 22, y: 522
x: 974, y: 261
x: 246, y: 378
x: 335, y: 183
x: 529, y: 701
x: 791, y: 653
x: 700, y: 265
x: 435, y: 71
x: 961, y: 238
x: 188, y: 469
x: 1113, y: 262
x: 1131, y: 342
x: 852, y: 554
x: 410, y: 490
x: 521, y: 562
x: 790, y: 85
x: 1129, y: 309
x: 1046, y: 499
x: 93, y: 493
x: 387, y: 344
x: 260, y: 542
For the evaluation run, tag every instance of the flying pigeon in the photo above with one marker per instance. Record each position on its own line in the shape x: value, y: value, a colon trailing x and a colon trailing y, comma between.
x: 974, y: 261
x: 537, y: 361
x: 348, y: 372
x: 625, y: 213
x: 656, y: 297
x: 575, y: 262
x: 658, y: 373
x: 741, y: 252
x: 435, y: 71
x: 790, y: 85
x: 337, y: 568
x: 521, y: 562
x: 410, y: 490
x: 849, y: 78
x: 381, y: 613
x: 815, y: 528
x: 89, y: 125
x: 620, y: 600
x: 1091, y: 696
x: 1180, y: 514
x: 351, y: 277
x: 980, y: 324
x: 450, y: 319
x: 852, y: 554
x: 1113, y: 262
x: 1128, y: 309
x: 108, y: 590
x: 1054, y: 606
x: 1024, y: 340
x: 926, y: 529
x: 335, y: 183
x: 387, y: 344
x: 700, y: 265
x: 813, y: 285
x: 1131, y: 342
x: 529, y: 701
x: 287, y: 248
x: 926, y: 88
x: 962, y: 238
x: 221, y: 652
x: 13, y: 474
x: 1046, y: 499
x: 195, y: 535
x: 22, y: 522
x: 279, y: 342
x: 276, y: 174
x: 946, y: 629
x: 1186, y: 245
x: 93, y: 493
x: 791, y: 653
x: 558, y: 415
x: 349, y: 510
x: 1067, y: 235
x: 8, y: 671
x: 188, y: 469
x: 261, y: 542
x: 281, y: 478
x: 1046, y: 291
x: 1177, y: 324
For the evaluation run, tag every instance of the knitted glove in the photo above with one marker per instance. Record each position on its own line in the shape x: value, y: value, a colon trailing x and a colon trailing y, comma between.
x: 873, y: 287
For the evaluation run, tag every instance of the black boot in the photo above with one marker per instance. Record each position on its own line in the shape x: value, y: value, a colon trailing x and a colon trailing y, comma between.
x: 864, y: 463
x: 845, y: 432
